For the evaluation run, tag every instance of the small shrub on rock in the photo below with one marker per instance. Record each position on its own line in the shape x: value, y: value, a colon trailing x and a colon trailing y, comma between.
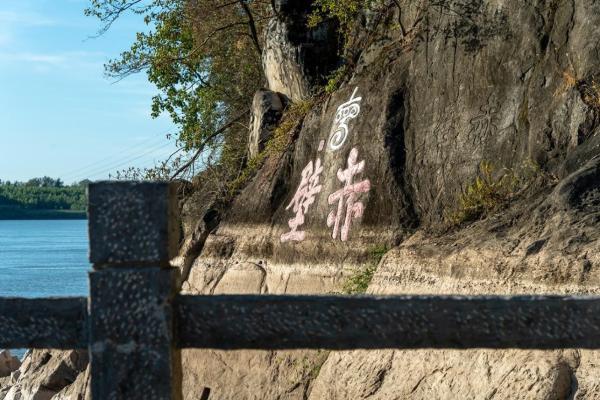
x: 493, y: 190
x: 359, y: 281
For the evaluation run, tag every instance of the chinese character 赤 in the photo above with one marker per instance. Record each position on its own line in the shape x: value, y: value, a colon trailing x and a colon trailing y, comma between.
x: 348, y: 195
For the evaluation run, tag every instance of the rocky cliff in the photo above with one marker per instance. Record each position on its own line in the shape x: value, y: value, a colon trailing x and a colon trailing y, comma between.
x: 462, y: 141
x: 434, y: 91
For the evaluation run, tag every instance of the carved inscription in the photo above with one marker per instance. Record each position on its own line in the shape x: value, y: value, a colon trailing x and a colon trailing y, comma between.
x: 305, y: 196
x: 346, y: 200
x: 484, y: 124
x: 348, y: 207
x: 345, y: 113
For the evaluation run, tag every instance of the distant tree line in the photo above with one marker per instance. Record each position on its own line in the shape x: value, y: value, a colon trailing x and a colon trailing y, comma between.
x: 43, y: 194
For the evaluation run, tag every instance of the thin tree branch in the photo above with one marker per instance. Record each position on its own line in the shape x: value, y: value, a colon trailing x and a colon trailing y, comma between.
x: 172, y: 154
x: 202, y: 145
x: 252, y: 26
x: 110, y: 17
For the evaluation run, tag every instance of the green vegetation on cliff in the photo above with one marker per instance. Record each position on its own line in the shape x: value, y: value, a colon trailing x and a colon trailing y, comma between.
x: 42, y: 198
x: 359, y: 281
x: 495, y: 189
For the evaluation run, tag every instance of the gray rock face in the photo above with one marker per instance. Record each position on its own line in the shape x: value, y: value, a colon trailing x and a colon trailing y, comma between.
x: 199, y: 218
x: 502, y: 97
x: 550, y: 247
x: 295, y: 58
x: 267, y: 108
x: 435, y: 91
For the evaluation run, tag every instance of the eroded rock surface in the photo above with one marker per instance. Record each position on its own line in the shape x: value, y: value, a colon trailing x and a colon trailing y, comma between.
x: 434, y: 91
x: 267, y: 108
x: 48, y: 374
x: 8, y: 363
x: 296, y: 58
x: 550, y: 247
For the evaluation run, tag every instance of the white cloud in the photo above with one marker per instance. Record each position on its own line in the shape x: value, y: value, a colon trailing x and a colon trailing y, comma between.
x: 34, y: 58
x: 42, y: 62
x: 25, y: 19
x: 13, y: 21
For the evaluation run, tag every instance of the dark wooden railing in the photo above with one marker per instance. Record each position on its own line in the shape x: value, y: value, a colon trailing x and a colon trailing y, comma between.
x: 134, y: 323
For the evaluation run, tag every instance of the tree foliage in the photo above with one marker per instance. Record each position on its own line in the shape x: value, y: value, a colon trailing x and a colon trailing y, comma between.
x: 46, y: 181
x: 344, y: 11
x: 204, y: 56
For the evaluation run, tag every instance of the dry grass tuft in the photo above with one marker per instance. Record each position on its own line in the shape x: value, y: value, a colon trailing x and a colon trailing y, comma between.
x: 493, y: 190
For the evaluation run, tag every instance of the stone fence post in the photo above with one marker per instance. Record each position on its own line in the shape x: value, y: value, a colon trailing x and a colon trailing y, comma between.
x: 133, y: 230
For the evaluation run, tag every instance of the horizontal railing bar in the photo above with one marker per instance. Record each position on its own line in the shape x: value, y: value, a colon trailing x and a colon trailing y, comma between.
x: 331, y: 322
x: 53, y: 323
x: 403, y: 322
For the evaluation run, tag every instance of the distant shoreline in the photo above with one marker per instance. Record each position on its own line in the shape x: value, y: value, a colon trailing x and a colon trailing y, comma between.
x: 31, y: 214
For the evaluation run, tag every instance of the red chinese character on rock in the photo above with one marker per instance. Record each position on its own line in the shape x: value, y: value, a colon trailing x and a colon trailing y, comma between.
x: 352, y: 208
x: 303, y: 199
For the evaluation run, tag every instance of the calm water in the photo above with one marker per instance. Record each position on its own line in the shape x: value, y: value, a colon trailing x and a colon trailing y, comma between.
x: 43, y: 259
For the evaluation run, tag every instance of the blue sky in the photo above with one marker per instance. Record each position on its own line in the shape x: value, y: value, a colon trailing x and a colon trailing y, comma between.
x: 59, y: 115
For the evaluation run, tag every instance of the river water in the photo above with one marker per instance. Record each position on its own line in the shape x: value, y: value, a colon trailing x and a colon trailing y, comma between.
x: 43, y: 259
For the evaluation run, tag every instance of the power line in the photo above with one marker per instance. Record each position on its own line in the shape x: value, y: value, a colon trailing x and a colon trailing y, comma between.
x: 141, y: 165
x: 121, y: 164
x: 124, y: 150
x: 106, y: 161
x: 151, y: 141
x: 112, y: 159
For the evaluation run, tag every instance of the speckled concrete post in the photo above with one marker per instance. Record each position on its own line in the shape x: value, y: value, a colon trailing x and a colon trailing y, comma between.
x: 133, y: 235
